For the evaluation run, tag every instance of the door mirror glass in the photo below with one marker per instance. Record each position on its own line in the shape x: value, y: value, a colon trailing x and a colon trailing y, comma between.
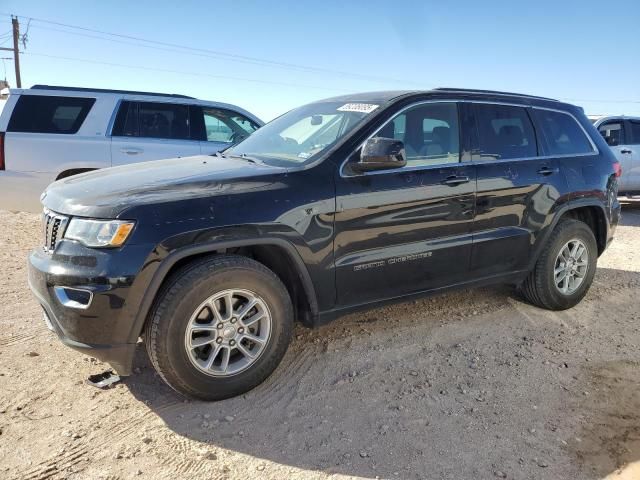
x: 380, y: 153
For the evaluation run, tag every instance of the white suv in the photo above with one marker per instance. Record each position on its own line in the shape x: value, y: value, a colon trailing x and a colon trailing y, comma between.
x: 622, y: 134
x: 48, y: 133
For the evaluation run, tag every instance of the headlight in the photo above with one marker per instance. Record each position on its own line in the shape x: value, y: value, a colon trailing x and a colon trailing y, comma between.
x: 99, y: 233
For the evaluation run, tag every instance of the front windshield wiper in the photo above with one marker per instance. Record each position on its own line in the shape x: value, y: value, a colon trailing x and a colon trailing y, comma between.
x: 244, y: 156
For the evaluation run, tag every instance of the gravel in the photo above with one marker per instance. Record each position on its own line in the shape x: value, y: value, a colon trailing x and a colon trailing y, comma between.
x: 468, y: 385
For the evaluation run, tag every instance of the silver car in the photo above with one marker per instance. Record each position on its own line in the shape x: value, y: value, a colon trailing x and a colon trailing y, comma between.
x: 622, y: 133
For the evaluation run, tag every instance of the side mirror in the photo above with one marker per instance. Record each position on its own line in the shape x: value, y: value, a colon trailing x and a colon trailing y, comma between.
x: 380, y: 153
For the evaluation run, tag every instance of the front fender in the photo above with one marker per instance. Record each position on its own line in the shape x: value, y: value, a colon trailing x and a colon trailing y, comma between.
x: 171, y: 251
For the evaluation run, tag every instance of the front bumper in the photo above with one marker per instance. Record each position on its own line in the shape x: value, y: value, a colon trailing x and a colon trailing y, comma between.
x: 102, y: 327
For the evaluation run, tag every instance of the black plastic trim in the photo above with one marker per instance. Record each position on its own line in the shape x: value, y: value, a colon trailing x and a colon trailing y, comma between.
x: 165, y: 267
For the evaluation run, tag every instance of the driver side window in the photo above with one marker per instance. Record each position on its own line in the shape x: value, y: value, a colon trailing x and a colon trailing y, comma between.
x: 430, y: 133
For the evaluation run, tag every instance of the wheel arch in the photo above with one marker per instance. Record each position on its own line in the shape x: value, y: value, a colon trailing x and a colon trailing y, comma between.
x: 73, y: 171
x: 589, y: 211
x: 276, y: 254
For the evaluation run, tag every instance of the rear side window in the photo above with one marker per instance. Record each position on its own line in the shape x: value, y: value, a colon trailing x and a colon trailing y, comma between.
x: 504, y: 132
x: 562, y: 133
x: 613, y: 133
x: 634, y: 130
x: 163, y: 120
x: 47, y: 114
x: 126, y: 124
x: 152, y: 120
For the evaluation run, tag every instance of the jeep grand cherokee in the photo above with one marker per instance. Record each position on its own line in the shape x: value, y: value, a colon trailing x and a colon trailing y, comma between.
x: 338, y: 205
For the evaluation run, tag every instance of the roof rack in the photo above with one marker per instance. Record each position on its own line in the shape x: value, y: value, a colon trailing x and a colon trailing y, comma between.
x: 104, y: 90
x: 494, y: 92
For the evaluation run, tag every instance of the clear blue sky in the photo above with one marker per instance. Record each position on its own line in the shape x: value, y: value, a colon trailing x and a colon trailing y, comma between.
x: 584, y: 51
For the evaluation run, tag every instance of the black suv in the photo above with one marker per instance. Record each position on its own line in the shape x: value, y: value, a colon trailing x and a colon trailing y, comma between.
x: 338, y: 205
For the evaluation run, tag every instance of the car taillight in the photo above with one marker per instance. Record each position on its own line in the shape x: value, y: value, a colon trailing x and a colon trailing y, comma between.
x: 617, y: 169
x: 1, y: 150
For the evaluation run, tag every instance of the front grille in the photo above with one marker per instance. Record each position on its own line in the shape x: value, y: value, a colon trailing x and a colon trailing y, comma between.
x: 53, y: 227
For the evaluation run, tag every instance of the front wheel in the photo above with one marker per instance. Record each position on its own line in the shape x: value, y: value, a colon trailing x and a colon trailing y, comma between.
x: 565, y: 269
x: 220, y: 327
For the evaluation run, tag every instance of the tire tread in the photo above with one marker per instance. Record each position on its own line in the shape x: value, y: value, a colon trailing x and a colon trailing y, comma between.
x: 536, y: 288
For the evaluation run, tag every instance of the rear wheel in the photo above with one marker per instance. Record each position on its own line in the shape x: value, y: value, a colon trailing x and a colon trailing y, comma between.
x: 220, y: 327
x: 565, y: 269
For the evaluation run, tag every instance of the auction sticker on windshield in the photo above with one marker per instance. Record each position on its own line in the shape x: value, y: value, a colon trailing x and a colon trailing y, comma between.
x: 358, y: 107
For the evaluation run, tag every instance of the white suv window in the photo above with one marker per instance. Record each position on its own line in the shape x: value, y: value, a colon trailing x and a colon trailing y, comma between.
x: 152, y: 120
x: 163, y: 120
x: 634, y: 130
x: 226, y: 126
x: 613, y: 132
x: 49, y: 114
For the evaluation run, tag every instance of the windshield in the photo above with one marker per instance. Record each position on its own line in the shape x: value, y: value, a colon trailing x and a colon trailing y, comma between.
x: 302, y: 134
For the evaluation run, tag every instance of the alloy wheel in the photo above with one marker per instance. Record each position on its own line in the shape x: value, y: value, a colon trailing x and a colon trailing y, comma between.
x: 228, y: 332
x: 571, y: 266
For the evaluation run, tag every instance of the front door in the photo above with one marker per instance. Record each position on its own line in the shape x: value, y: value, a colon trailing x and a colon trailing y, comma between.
x: 406, y: 230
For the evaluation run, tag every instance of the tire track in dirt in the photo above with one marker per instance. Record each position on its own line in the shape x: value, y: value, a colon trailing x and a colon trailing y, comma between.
x: 185, y: 457
x: 87, y: 447
x: 279, y: 391
x: 22, y: 336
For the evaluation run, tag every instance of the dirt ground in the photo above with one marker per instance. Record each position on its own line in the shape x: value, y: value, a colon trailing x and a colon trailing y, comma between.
x: 468, y: 385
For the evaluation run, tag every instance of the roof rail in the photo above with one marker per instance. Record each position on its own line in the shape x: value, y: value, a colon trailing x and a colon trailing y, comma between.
x: 104, y: 90
x: 494, y: 92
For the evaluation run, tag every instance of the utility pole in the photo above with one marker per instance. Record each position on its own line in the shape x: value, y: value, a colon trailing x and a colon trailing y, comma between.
x: 16, y: 52
x: 16, y: 57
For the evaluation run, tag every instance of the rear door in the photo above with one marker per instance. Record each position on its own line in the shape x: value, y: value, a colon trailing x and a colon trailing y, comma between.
x: 633, y: 146
x: 614, y: 132
x: 146, y: 131
x: 406, y: 230
x: 517, y: 188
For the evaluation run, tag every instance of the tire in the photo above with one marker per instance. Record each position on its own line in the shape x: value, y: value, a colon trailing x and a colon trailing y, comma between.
x: 171, y: 350
x: 540, y: 286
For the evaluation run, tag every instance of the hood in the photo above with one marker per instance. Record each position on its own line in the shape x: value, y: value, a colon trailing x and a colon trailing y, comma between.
x: 108, y: 192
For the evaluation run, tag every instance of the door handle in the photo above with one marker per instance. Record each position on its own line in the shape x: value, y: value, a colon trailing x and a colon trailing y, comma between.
x: 455, y: 180
x: 548, y: 171
x: 626, y: 150
x: 131, y: 151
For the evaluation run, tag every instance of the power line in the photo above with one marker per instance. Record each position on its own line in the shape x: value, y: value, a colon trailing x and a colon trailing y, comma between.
x: 179, y: 72
x: 219, y: 54
x: 153, y: 47
x: 176, y: 48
